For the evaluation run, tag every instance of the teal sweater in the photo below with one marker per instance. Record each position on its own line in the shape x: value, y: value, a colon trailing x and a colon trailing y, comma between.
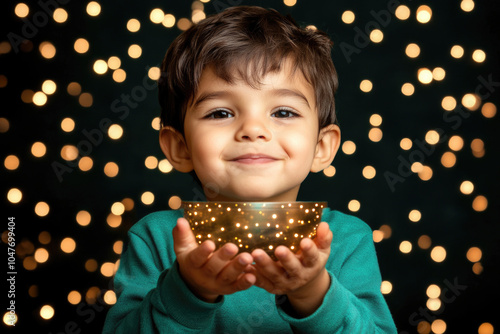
x: 152, y: 297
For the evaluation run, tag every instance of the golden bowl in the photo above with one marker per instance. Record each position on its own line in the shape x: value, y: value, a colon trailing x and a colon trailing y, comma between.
x: 252, y: 225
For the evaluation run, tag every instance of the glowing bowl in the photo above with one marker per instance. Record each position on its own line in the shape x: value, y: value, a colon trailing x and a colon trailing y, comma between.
x: 252, y: 225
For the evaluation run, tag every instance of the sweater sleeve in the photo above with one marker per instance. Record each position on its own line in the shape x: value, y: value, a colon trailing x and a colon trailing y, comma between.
x: 353, y: 303
x: 154, y: 301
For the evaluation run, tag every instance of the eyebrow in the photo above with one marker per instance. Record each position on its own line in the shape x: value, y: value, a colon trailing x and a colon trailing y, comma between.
x: 283, y: 92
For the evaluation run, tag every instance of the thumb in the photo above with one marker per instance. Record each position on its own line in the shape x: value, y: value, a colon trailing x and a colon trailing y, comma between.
x: 324, y: 236
x: 184, y: 239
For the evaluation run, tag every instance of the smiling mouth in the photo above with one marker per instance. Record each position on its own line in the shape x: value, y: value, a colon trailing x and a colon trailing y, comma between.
x: 252, y: 159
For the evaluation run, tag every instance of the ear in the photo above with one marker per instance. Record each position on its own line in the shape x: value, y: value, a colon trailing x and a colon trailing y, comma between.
x: 326, y: 149
x: 174, y: 147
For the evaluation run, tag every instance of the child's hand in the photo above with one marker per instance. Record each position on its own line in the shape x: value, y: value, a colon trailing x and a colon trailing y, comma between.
x: 209, y: 273
x: 302, y: 277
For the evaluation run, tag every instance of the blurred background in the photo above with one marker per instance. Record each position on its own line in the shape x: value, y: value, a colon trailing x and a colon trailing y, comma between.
x: 417, y: 104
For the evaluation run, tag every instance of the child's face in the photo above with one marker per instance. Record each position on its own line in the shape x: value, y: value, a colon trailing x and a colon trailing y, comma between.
x: 253, y: 144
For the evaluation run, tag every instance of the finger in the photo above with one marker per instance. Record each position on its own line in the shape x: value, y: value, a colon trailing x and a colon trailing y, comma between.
x: 231, y: 272
x: 324, y: 236
x: 243, y: 282
x: 273, y: 271
x: 310, y: 252
x: 291, y: 264
x: 219, y: 259
x: 201, y: 254
x: 184, y: 239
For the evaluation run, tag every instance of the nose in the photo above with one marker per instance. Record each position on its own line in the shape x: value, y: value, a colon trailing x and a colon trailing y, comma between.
x: 253, y: 129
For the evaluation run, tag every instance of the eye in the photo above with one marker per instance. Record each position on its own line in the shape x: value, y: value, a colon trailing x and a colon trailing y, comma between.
x: 219, y: 113
x: 284, y: 113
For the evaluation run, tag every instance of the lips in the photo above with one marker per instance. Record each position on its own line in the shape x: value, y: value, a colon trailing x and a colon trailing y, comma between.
x: 251, y: 159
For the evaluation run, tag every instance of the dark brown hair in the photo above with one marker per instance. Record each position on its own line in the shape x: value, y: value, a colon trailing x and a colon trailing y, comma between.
x: 245, y: 42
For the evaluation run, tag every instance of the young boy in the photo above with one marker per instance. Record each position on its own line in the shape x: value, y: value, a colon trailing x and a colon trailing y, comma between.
x: 247, y: 103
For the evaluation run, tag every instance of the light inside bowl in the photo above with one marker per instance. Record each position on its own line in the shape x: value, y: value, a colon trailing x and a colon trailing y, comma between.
x: 252, y: 225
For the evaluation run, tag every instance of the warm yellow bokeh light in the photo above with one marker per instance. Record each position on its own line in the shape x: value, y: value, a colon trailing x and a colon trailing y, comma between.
x: 376, y: 36
x: 93, y: 8
x: 369, y: 172
x: 156, y: 123
x: 467, y: 6
x: 11, y: 162
x: 474, y: 254
x: 68, y: 245
x: 86, y: 100
x: 69, y: 152
x: 118, y: 208
x: 42, y: 209
x: 433, y: 291
x: 74, y: 297
x: 438, y: 254
x: 415, y: 216
x: 329, y: 171
x: 457, y: 51
x: 156, y: 15
x: 386, y: 287
x: 154, y: 73
x: 21, y: 10
x: 471, y: 101
x: 107, y: 269
x: 74, y: 89
x: 348, y: 147
x: 424, y: 14
x: 405, y: 247
x: 425, y: 174
x: 448, y: 159
x: 47, y: 50
x: 406, y: 144
x: 425, y: 76
x: 39, y: 99
x: 348, y: 17
x: 111, y: 169
x: 174, y: 202
x: 407, y: 89
x: 412, y: 50
x: 168, y: 21
x: 100, y: 66
x: 184, y: 24
x: 41, y: 255
x: 375, y: 120
x: 375, y: 135
x: 438, y: 326
x: 489, y: 110
x: 115, y: 131
x: 466, y: 187
x: 164, y: 166
x: 290, y: 3
x: 85, y: 164
x: 133, y: 25
x: 47, y: 312
x: 456, y: 143
x: 119, y: 75
x: 10, y: 319
x: 424, y: 242
x: 118, y: 247
x: 479, y: 56
x: 14, y: 195
x: 67, y: 124
x: 354, y: 205
x: 60, y: 15
x: 197, y: 15
x: 134, y: 51
x: 485, y: 327
x: 110, y: 297
x: 151, y: 162
x: 480, y: 203
x: 402, y: 12
x: 432, y: 137
x: 49, y: 87
x: 38, y: 149
x: 433, y: 304
x: 114, y: 221
x: 83, y: 218
x: 449, y: 103
x: 81, y: 45
x: 147, y: 197
x: 366, y: 86
x: 438, y: 73
x: 114, y: 62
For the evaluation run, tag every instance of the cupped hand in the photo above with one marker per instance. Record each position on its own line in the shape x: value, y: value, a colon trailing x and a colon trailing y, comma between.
x: 210, y: 273
x: 302, y: 276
